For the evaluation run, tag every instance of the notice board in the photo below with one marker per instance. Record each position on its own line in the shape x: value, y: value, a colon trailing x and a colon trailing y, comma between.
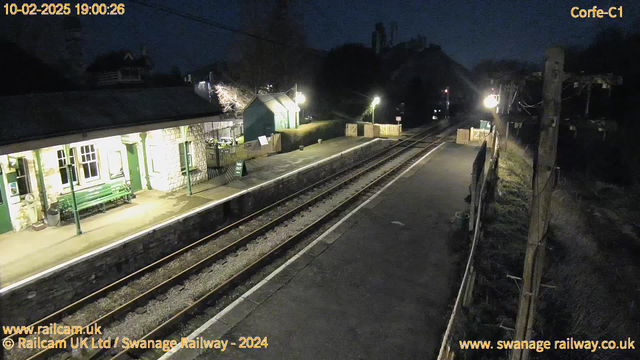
x: 241, y: 168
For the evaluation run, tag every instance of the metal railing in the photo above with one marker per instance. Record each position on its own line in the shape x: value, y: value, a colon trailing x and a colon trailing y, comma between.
x: 225, y: 156
x: 483, y: 174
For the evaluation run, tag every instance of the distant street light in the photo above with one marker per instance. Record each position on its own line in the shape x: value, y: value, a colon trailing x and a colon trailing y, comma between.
x: 491, y: 101
x: 446, y: 91
x: 376, y: 101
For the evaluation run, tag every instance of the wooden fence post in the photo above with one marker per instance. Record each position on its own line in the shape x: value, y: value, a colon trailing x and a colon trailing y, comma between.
x: 468, y: 293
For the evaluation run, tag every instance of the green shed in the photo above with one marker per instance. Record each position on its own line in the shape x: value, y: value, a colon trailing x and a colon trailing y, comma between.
x: 268, y: 113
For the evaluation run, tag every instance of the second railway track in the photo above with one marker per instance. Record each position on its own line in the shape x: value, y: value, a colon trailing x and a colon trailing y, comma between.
x: 148, y: 303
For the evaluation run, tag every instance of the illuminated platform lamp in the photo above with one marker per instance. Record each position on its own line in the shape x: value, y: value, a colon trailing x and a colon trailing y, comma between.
x: 491, y: 101
x: 376, y: 101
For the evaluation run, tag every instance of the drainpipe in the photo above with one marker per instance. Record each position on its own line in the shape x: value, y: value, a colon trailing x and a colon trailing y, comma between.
x: 143, y: 137
x: 76, y: 216
x: 186, y: 165
x: 185, y: 132
x: 43, y: 191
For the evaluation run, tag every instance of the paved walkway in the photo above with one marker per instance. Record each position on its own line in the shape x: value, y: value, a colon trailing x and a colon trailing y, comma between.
x: 29, y: 252
x: 378, y: 286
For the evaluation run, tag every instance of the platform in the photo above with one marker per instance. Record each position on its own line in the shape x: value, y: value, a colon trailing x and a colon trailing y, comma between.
x: 30, y: 252
x: 378, y: 285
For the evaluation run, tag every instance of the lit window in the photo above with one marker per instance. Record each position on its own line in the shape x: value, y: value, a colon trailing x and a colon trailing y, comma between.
x: 115, y: 165
x: 181, y: 149
x: 22, y: 176
x: 62, y: 166
x: 89, y: 159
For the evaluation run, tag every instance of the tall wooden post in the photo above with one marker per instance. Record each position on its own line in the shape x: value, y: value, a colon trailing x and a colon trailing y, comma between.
x: 506, y: 139
x: 543, y: 182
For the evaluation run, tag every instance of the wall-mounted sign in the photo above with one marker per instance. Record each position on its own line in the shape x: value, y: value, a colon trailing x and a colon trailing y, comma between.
x: 13, y: 189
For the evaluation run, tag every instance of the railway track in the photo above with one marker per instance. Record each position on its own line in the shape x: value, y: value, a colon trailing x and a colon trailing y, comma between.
x: 246, y: 235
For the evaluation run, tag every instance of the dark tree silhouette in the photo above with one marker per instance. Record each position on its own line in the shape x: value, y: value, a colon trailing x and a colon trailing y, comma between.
x: 347, y: 78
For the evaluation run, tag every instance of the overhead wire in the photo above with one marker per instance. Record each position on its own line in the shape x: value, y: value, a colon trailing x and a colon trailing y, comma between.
x: 205, y: 21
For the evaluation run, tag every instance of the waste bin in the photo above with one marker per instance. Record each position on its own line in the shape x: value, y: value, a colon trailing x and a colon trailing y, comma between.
x: 53, y: 216
x: 462, y: 220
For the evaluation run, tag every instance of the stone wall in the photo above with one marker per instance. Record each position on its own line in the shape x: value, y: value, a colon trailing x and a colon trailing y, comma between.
x: 34, y: 300
x: 169, y: 178
x: 164, y: 153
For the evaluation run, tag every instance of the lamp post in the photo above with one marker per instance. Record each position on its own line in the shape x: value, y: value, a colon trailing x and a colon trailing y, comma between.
x: 376, y: 101
x: 446, y: 91
x: 74, y: 201
x: 491, y: 102
x: 185, y: 132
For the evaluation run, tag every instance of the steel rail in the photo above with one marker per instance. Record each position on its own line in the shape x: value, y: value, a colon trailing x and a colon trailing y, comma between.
x: 249, y: 270
x: 59, y: 314
x: 165, y: 285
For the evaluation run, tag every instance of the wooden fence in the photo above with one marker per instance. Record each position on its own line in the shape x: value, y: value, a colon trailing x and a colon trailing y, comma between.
x: 483, y: 178
x: 479, y: 135
x: 351, y: 130
x: 226, y: 156
x: 377, y: 130
x: 462, y: 136
x: 390, y: 129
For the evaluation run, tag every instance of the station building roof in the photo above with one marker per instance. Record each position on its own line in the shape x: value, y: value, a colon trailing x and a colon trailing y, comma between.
x: 39, y: 120
x: 276, y: 102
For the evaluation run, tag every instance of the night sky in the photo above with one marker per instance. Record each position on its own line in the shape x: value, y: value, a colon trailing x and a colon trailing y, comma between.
x: 467, y: 31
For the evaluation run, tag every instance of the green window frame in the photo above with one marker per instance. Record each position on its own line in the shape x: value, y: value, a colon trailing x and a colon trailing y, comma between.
x: 62, y: 166
x: 22, y: 176
x: 89, y: 157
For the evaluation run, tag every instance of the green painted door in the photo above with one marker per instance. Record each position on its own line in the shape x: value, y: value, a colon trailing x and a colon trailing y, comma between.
x: 5, y: 218
x: 134, y: 167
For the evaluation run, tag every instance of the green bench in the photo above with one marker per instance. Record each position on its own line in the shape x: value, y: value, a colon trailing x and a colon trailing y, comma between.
x: 95, y: 196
